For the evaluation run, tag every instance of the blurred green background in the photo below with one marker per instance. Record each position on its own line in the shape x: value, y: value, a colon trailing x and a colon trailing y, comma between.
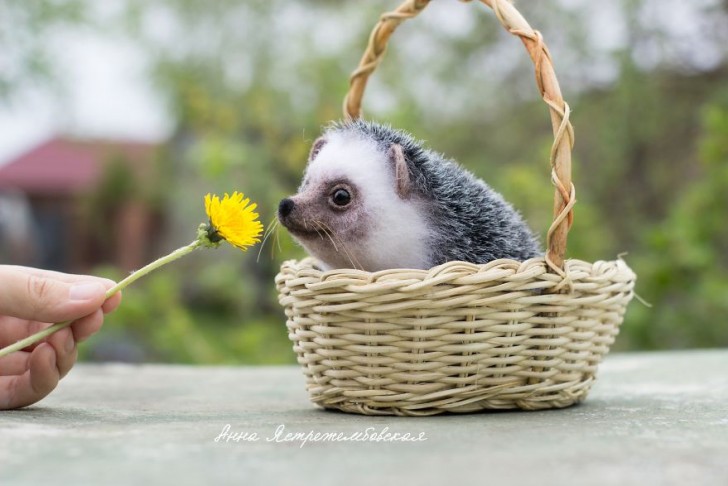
x: 247, y: 85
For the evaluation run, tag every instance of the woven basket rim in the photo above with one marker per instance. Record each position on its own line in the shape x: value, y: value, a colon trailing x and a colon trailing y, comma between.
x: 535, y: 268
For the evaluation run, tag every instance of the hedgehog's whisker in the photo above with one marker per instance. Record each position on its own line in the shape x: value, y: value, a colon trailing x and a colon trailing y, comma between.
x: 333, y: 242
x: 349, y: 255
x: 277, y: 238
x: 323, y: 230
x: 271, y: 227
x: 319, y: 227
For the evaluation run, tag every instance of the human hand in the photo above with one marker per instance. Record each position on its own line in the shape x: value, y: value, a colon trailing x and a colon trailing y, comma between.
x: 30, y: 301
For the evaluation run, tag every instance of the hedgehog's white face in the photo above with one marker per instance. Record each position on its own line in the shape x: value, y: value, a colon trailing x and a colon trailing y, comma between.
x: 354, y: 208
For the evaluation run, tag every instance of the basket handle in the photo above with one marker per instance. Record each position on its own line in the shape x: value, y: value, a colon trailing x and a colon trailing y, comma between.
x: 548, y: 86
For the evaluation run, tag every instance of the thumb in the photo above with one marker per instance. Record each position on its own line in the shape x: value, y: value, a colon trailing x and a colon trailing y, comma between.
x: 46, y: 299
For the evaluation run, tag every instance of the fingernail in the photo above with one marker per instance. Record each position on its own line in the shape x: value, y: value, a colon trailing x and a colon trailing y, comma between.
x: 85, y: 291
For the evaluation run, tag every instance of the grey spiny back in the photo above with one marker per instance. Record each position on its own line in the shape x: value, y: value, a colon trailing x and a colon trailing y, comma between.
x: 471, y: 221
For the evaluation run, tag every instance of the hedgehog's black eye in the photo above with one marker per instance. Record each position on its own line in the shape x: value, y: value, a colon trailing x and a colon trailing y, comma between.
x: 341, y: 197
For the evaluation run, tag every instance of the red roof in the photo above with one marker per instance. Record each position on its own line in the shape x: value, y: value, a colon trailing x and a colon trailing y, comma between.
x: 67, y: 166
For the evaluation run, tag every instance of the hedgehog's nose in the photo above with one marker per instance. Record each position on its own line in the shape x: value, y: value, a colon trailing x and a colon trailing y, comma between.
x: 285, y: 207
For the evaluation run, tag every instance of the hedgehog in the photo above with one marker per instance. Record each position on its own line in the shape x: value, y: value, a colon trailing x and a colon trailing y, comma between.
x: 374, y: 198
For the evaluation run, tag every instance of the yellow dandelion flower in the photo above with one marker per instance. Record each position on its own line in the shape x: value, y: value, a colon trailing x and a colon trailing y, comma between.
x: 233, y: 219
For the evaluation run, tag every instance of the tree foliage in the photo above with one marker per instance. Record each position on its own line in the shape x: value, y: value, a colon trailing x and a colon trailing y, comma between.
x: 250, y: 83
x: 23, y: 40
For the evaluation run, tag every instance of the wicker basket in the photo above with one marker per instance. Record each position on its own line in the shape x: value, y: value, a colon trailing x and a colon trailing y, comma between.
x: 459, y: 337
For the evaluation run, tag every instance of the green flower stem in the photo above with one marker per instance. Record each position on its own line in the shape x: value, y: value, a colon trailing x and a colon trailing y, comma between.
x: 178, y: 253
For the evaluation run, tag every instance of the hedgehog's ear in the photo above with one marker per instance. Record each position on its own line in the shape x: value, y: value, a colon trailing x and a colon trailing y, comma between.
x: 401, y: 171
x: 316, y: 148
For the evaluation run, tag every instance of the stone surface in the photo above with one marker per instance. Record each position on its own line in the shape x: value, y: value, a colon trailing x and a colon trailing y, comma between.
x: 650, y: 419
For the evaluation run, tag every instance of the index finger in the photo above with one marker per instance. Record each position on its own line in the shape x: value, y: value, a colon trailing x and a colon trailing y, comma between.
x: 63, y: 277
x: 108, y: 306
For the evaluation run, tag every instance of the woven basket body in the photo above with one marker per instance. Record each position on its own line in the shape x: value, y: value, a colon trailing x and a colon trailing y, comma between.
x: 459, y: 337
